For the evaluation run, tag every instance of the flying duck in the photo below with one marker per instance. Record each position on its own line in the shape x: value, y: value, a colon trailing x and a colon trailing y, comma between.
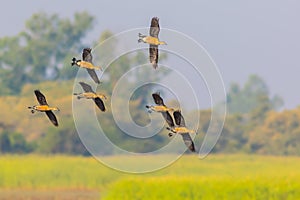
x: 182, y: 130
x: 44, y: 107
x: 90, y: 94
x: 161, y: 108
x: 87, y: 62
x: 153, y: 41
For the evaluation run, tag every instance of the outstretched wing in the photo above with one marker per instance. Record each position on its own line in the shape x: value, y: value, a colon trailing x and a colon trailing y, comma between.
x: 168, y: 119
x: 157, y: 99
x: 188, y: 141
x: 40, y: 97
x: 86, y: 87
x: 52, y: 117
x: 99, y: 103
x: 93, y: 74
x: 154, y: 28
x: 87, y: 55
x: 179, y: 120
x: 153, y: 55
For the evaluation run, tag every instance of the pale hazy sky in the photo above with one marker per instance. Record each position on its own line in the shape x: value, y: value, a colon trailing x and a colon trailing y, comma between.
x: 243, y: 37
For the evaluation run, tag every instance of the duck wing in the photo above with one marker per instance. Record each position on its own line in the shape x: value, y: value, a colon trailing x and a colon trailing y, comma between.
x: 179, y: 120
x: 168, y: 119
x: 154, y: 27
x: 157, y: 99
x: 100, y: 104
x: 87, y: 55
x: 86, y: 87
x: 188, y: 141
x: 153, y: 55
x: 94, y: 76
x: 52, y: 117
x: 40, y: 97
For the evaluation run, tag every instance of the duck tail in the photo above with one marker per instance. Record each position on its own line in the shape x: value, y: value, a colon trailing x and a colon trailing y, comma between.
x: 100, y: 68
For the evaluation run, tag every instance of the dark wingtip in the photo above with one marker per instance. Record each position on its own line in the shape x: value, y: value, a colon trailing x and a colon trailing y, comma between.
x: 37, y: 92
x: 192, y: 147
x: 156, y: 18
x: 156, y: 94
x: 55, y: 123
x: 87, y: 49
x: 103, y: 109
x: 154, y: 65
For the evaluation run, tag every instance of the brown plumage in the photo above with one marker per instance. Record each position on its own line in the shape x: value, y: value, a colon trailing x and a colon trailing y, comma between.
x: 52, y: 117
x: 153, y: 55
x: 88, y: 57
x: 153, y: 49
x: 162, y: 108
x: 90, y: 94
x: 153, y: 41
x: 154, y: 27
x: 44, y: 107
x: 157, y: 99
x: 40, y: 97
x: 179, y: 121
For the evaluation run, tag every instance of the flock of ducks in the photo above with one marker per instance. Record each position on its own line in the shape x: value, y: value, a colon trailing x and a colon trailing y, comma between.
x: 88, y: 93
x: 180, y: 127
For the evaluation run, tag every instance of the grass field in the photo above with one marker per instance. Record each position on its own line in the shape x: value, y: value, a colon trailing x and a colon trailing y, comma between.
x: 215, y: 177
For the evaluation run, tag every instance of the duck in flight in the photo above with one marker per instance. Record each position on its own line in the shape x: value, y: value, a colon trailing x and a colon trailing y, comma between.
x: 90, y: 94
x: 182, y: 130
x: 87, y: 63
x: 161, y: 108
x: 153, y: 41
x: 44, y: 107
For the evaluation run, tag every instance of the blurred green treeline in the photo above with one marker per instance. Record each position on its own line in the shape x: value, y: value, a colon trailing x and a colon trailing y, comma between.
x: 39, y: 58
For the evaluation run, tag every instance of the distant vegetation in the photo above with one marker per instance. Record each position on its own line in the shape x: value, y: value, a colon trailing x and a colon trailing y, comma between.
x: 39, y: 58
x: 261, y: 130
x: 42, y: 50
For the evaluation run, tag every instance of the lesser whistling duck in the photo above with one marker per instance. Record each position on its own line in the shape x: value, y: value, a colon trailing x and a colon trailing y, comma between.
x: 182, y: 130
x: 153, y: 41
x: 161, y: 108
x: 87, y: 63
x: 44, y: 107
x: 90, y: 94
